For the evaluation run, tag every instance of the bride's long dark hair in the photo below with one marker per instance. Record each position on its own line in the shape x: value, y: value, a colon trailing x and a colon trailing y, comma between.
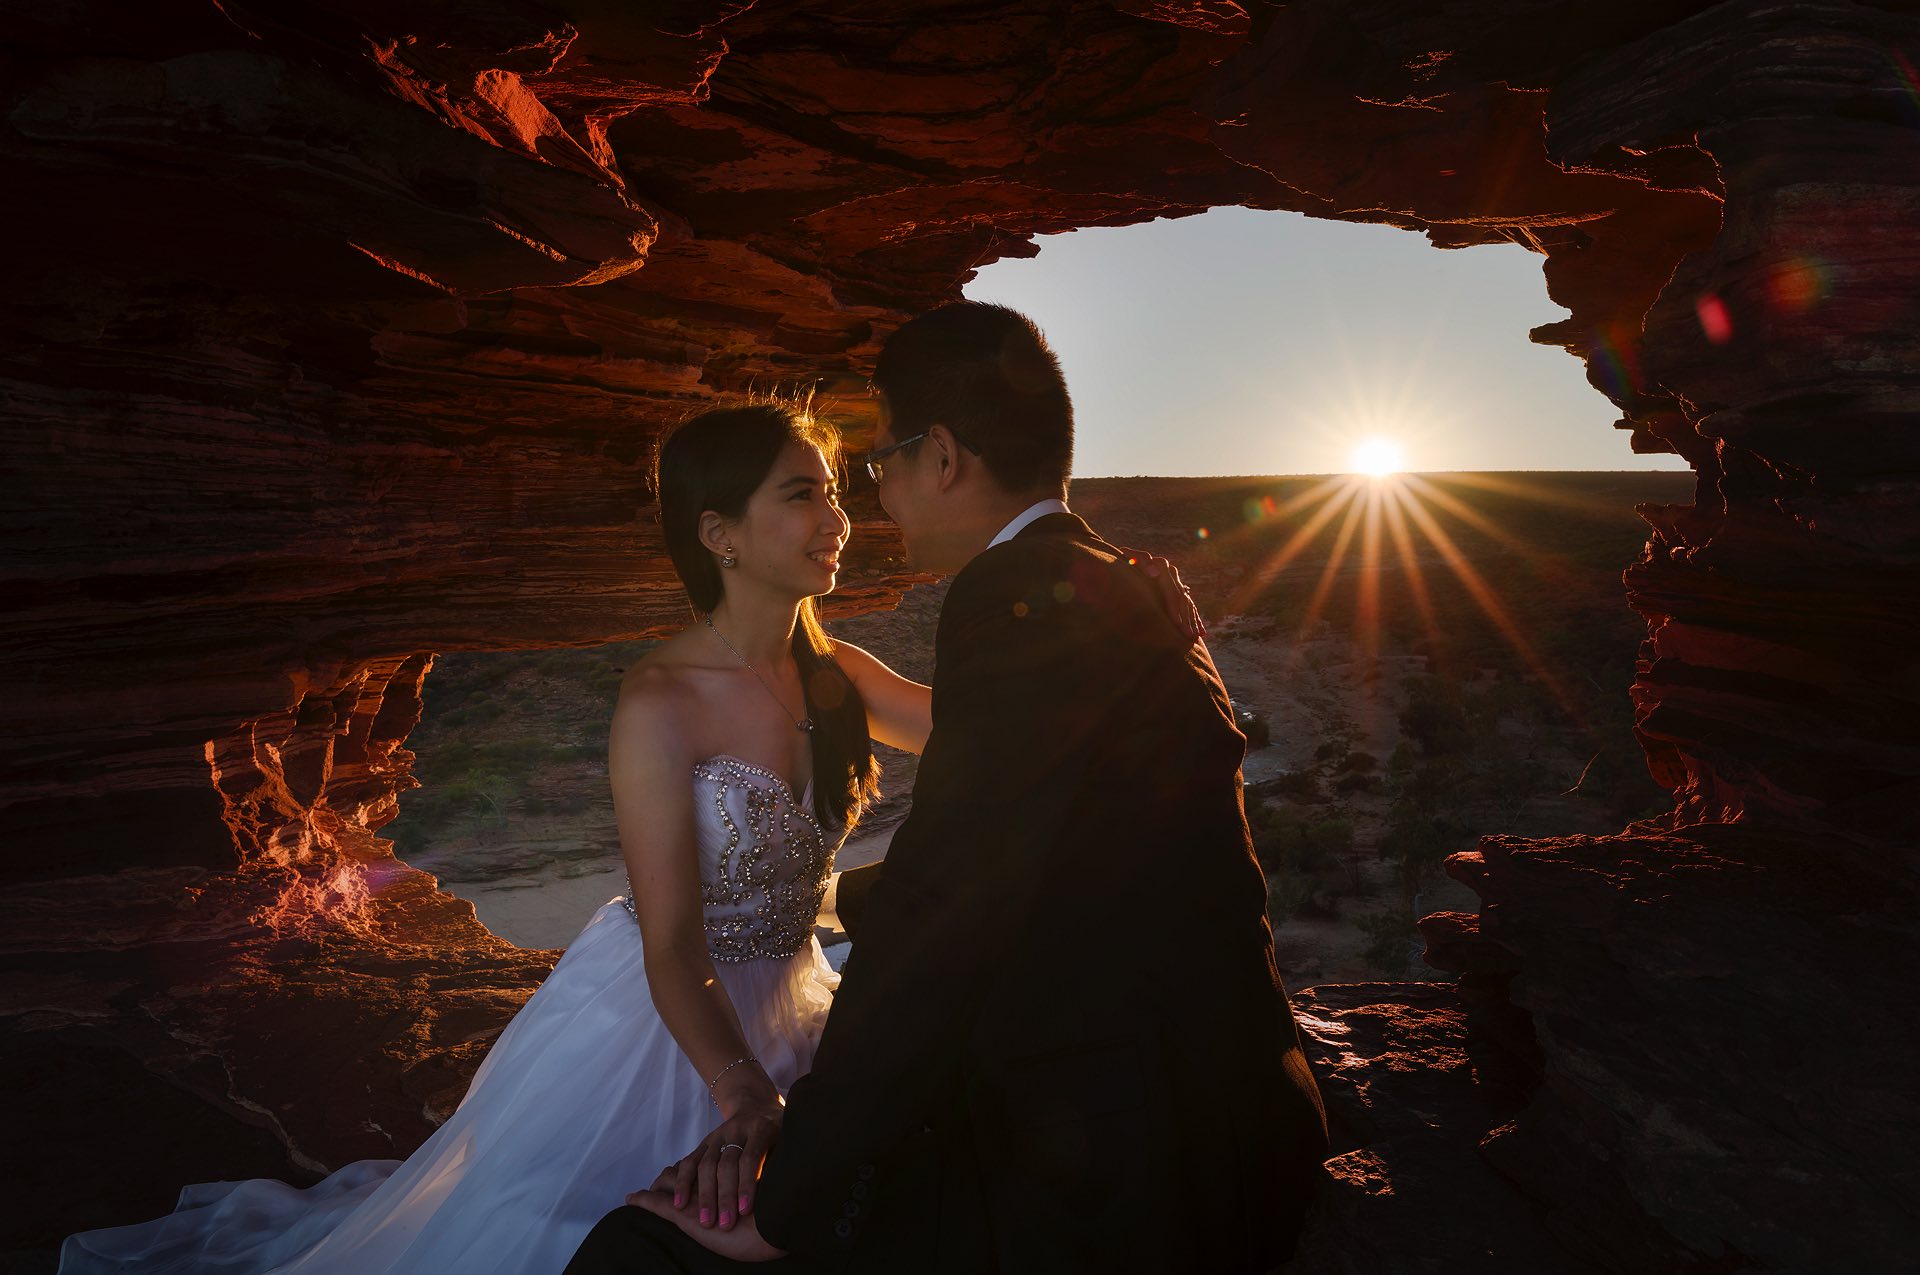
x: 716, y: 461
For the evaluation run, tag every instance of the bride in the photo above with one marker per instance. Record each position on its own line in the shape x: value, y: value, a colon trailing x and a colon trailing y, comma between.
x: 739, y: 758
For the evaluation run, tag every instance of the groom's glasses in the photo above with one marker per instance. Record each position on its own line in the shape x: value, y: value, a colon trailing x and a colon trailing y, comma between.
x: 875, y: 467
x: 875, y: 460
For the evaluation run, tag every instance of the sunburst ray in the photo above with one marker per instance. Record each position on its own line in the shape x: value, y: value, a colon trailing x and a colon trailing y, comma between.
x: 1410, y: 561
x: 1337, y: 495
x: 1487, y: 600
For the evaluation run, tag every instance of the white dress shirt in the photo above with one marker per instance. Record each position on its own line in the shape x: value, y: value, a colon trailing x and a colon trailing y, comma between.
x: 1037, y: 510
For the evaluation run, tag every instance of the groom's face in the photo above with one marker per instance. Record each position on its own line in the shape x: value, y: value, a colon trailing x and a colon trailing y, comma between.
x: 900, y: 482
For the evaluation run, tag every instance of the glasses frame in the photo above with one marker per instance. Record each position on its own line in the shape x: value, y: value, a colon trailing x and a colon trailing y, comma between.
x: 873, y: 462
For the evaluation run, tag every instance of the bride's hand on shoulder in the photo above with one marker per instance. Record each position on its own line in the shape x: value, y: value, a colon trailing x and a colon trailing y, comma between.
x: 716, y: 1182
x: 1175, y: 598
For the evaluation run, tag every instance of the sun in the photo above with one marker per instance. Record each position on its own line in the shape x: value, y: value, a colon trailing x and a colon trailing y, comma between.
x: 1377, y: 457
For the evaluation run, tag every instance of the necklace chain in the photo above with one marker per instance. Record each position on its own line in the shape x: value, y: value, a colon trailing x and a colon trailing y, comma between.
x: 802, y: 724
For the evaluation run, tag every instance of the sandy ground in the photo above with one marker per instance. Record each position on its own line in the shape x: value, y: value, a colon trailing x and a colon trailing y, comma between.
x: 540, y: 910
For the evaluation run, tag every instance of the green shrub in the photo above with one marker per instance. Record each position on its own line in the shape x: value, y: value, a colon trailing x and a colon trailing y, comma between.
x: 1392, y: 941
x: 1434, y: 719
x: 1358, y: 763
x: 1289, y: 841
x: 1300, y: 785
x: 1287, y: 895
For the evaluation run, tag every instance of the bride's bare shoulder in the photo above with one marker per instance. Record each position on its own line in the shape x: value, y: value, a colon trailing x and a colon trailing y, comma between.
x: 661, y: 694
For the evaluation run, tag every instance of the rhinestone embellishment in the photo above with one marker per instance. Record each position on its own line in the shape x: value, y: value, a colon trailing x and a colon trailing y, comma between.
x: 760, y: 900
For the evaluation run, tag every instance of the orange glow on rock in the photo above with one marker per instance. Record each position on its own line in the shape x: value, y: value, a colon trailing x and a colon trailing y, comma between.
x: 1797, y: 285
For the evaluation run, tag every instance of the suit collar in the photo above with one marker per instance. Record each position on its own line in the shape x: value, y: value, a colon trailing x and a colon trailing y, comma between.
x: 1064, y: 523
x: 1026, y: 517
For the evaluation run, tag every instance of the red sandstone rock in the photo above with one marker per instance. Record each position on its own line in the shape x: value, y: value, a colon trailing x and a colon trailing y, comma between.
x: 1408, y: 1099
x: 1723, y: 1016
x: 336, y: 333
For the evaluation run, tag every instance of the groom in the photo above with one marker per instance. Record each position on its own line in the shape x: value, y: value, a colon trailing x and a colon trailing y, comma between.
x: 1061, y: 1043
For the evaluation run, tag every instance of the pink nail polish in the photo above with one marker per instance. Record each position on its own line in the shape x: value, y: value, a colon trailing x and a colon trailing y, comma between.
x: 745, y: 1204
x: 726, y: 1221
x: 706, y: 1217
x: 679, y: 1201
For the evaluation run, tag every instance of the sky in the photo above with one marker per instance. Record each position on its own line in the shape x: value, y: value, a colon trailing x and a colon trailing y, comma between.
x: 1244, y: 342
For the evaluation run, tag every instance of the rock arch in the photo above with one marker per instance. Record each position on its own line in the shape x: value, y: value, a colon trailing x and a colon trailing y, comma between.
x: 337, y: 332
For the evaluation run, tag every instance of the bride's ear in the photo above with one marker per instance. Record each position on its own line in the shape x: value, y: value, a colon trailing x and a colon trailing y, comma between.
x: 715, y: 533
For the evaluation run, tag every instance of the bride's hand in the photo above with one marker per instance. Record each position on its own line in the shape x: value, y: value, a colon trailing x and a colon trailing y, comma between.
x: 718, y: 1179
x: 1174, y: 595
x: 742, y: 1244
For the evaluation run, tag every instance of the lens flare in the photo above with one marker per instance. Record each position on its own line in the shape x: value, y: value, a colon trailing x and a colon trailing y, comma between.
x: 1909, y: 81
x: 1615, y: 357
x: 1797, y: 284
x: 1715, y: 323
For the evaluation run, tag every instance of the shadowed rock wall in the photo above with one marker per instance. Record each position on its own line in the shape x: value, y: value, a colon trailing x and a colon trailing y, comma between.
x: 336, y: 333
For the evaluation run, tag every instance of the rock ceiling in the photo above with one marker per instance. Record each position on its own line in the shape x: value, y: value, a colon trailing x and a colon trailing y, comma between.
x: 336, y: 334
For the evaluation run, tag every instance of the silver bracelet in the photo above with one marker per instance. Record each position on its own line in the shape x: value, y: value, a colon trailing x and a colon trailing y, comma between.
x: 729, y: 1067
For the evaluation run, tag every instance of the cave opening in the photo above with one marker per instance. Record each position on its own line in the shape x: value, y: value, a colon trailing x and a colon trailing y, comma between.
x: 1436, y: 658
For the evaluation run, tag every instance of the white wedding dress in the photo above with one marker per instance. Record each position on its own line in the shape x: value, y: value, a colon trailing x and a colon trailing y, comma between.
x: 584, y: 1097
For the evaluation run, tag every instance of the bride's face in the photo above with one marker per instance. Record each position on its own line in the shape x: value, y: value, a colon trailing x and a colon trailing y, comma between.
x: 790, y: 536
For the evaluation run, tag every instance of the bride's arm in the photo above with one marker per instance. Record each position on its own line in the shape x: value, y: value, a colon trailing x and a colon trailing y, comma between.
x: 650, y: 764
x: 899, y: 710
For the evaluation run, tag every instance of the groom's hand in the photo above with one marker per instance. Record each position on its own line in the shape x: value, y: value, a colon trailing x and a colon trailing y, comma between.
x: 742, y: 1243
x: 717, y: 1181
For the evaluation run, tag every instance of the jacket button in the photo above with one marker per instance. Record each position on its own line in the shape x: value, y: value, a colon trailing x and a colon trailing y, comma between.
x: 865, y: 1171
x: 852, y: 1209
x: 860, y: 1191
x: 843, y: 1228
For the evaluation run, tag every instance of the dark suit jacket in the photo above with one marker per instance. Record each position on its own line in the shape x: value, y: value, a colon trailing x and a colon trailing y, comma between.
x: 1061, y: 1043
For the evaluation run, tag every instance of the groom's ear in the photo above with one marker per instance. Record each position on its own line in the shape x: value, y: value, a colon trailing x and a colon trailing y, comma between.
x: 946, y: 456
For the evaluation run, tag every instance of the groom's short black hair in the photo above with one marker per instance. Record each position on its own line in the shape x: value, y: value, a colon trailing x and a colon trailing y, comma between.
x: 987, y: 374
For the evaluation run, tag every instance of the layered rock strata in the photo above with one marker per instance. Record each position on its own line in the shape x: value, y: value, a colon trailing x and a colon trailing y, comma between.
x: 337, y: 334
x: 1720, y: 1015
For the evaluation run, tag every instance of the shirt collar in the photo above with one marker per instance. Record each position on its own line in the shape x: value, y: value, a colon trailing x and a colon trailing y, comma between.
x: 1037, y: 510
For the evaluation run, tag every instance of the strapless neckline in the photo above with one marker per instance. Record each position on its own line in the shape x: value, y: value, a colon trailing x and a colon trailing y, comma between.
x: 800, y: 803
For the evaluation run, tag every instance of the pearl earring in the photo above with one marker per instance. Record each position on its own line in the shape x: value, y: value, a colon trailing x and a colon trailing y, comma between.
x: 727, y: 559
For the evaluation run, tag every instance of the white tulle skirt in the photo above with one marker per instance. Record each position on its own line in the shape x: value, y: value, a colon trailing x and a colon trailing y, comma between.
x: 584, y: 1098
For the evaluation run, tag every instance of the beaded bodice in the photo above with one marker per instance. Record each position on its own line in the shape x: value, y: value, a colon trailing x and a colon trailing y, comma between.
x: 764, y: 861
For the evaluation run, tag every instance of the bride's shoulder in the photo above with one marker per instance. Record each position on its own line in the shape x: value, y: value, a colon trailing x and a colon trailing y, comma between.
x: 654, y: 719
x: 663, y: 683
